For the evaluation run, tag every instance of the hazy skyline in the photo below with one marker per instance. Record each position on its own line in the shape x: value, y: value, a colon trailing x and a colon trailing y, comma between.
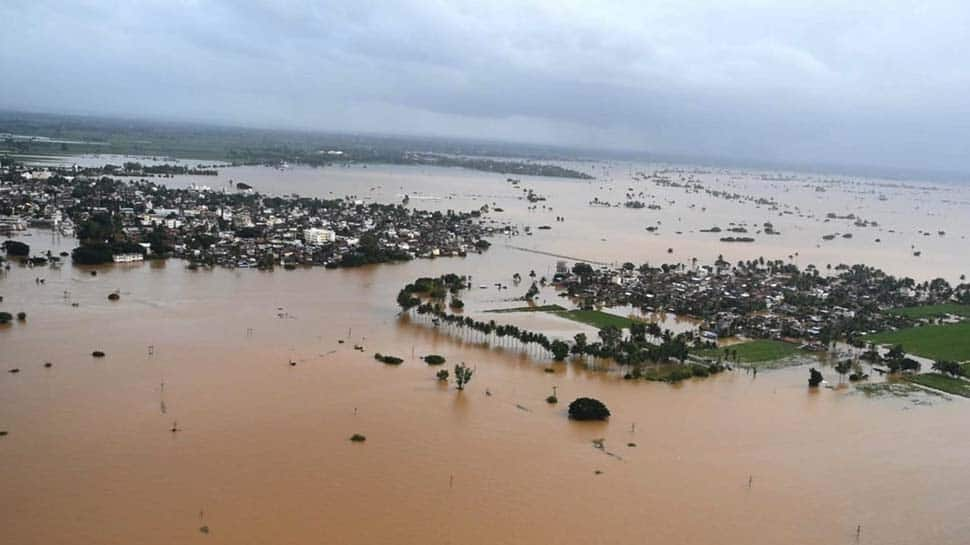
x: 800, y: 82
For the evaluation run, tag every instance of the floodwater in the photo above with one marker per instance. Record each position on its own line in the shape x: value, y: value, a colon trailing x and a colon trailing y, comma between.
x: 262, y: 453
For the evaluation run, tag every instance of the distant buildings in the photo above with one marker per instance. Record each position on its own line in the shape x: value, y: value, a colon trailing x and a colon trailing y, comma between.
x: 120, y: 218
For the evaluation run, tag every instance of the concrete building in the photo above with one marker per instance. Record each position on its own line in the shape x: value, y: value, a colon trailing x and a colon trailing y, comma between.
x: 318, y: 236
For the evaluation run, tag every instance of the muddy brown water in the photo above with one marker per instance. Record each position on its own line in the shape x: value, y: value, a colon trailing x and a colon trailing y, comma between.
x: 263, y: 455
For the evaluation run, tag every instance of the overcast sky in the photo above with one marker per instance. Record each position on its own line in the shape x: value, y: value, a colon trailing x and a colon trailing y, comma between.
x: 830, y: 82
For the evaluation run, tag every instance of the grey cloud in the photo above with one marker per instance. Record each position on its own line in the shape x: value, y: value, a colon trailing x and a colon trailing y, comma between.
x: 783, y: 81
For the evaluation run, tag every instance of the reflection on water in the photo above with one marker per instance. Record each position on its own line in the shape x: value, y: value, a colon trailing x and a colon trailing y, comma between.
x: 262, y: 453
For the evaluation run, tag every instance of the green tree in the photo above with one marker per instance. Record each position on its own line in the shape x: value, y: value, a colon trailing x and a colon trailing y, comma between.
x: 580, y: 346
x: 814, y: 378
x: 559, y: 350
x: 587, y: 408
x: 463, y: 375
x: 407, y: 301
x: 948, y: 367
x: 842, y: 368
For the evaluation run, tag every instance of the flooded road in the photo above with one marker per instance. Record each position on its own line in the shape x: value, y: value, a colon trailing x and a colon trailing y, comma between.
x: 262, y: 452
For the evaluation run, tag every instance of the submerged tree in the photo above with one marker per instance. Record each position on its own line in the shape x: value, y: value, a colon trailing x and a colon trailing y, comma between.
x: 842, y: 368
x: 814, y: 378
x: 587, y: 408
x: 463, y: 375
x: 948, y: 367
x: 559, y: 350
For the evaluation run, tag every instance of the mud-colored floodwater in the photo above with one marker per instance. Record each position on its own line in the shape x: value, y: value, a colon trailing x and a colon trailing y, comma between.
x: 262, y: 453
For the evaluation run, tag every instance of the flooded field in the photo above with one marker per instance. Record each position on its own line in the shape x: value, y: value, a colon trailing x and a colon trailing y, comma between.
x: 248, y: 368
x: 901, y: 218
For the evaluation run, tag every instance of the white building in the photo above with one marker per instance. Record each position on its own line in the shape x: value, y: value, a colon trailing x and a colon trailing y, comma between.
x: 127, y: 258
x: 318, y: 236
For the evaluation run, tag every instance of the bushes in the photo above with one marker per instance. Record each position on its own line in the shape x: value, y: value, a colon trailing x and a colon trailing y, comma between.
x: 587, y: 408
x: 5, y: 317
x: 358, y: 438
x: 92, y: 254
x: 680, y: 373
x: 390, y: 360
x: 434, y: 359
x: 16, y: 248
x: 442, y: 375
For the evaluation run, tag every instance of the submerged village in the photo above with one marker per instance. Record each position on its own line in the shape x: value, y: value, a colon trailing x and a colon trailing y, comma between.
x: 117, y: 220
x: 119, y: 215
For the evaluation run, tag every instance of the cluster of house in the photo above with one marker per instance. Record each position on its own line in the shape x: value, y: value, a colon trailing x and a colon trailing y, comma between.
x: 760, y: 299
x: 236, y: 228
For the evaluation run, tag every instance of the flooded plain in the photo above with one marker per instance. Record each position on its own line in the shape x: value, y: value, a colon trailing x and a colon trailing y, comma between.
x: 262, y: 452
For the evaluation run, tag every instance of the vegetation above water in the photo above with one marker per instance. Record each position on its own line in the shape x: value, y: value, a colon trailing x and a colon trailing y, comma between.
x: 77, y: 135
x: 390, y: 360
x: 587, y: 408
x: 938, y: 342
x: 939, y: 381
x: 756, y: 351
x: 597, y: 318
x: 535, y: 308
x: 933, y: 311
x: 645, y: 344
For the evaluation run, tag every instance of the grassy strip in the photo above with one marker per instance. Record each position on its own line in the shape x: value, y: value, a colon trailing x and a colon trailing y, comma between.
x: 536, y: 308
x: 932, y: 311
x: 596, y: 318
x: 950, y: 385
x: 759, y: 350
x: 938, y: 342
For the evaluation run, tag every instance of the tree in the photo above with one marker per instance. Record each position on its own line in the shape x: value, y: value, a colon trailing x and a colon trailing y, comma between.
x: 814, y: 378
x: 92, y: 254
x: 16, y: 248
x: 583, y: 270
x: 842, y: 368
x: 948, y: 367
x: 559, y: 350
x: 463, y: 375
x: 442, y: 375
x: 434, y: 359
x: 610, y: 335
x: 896, y: 352
x: 532, y: 292
x: 580, y: 346
x: 587, y: 408
x: 406, y: 301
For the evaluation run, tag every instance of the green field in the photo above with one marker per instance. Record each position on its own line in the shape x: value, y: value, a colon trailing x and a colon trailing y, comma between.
x: 596, y: 318
x: 759, y: 350
x: 537, y: 308
x: 950, y: 385
x: 932, y: 311
x: 938, y: 342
